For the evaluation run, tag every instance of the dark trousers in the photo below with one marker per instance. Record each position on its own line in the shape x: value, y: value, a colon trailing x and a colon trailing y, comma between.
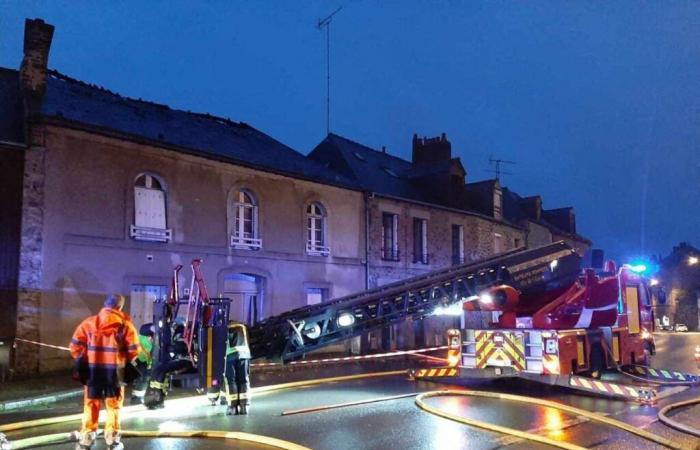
x: 141, y: 383
x: 237, y: 376
x: 171, y: 367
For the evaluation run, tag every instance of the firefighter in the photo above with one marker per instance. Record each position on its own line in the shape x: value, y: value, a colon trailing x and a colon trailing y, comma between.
x: 179, y: 362
x: 102, y: 346
x: 144, y: 363
x: 237, y: 372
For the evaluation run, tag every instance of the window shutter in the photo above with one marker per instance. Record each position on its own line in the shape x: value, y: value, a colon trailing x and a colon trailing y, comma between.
x: 141, y: 207
x: 158, y: 209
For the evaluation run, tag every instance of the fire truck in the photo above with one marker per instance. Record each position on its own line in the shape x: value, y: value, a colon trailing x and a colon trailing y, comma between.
x: 539, y: 317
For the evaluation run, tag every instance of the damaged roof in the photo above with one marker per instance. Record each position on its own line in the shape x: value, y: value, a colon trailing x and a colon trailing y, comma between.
x: 205, y: 135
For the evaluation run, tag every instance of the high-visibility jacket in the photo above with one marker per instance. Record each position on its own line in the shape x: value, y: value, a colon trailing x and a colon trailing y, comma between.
x: 108, y: 341
x: 146, y: 355
x: 237, y: 341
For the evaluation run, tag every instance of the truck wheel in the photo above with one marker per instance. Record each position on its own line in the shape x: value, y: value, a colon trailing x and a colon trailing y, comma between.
x: 597, y: 359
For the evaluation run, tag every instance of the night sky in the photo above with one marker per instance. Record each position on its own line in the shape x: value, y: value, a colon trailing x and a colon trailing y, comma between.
x: 598, y: 103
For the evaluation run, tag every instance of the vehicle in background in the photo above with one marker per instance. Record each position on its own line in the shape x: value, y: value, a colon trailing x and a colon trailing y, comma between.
x: 680, y: 327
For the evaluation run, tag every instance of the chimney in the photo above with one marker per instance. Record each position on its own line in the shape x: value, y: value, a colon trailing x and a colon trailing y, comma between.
x: 431, y: 150
x: 37, y: 42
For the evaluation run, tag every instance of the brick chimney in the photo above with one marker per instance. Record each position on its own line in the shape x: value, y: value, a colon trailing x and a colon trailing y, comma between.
x: 37, y: 42
x: 431, y: 150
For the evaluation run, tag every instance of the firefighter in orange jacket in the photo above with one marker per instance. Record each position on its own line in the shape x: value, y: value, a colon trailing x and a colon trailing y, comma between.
x: 102, y: 346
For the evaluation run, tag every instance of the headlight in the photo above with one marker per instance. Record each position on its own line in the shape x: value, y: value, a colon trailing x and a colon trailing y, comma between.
x: 346, y: 319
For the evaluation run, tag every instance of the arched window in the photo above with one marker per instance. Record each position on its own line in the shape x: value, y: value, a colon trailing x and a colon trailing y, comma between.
x: 245, y: 221
x: 150, y: 222
x: 316, y: 242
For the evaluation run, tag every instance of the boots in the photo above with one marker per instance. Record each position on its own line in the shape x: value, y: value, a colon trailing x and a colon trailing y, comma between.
x: 114, y: 441
x: 243, y: 409
x: 155, y: 398
x: 232, y: 410
x: 85, y: 441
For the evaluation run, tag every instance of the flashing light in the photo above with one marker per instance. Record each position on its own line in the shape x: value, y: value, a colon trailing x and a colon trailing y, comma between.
x: 654, y: 282
x: 346, y: 319
x: 638, y: 268
x: 553, y: 265
x: 486, y: 299
x: 692, y: 260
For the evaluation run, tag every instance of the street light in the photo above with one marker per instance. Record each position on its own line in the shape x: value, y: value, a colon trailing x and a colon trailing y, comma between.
x: 692, y: 260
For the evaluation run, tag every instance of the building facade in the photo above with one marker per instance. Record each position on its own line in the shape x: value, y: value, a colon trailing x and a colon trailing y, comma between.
x: 106, y: 194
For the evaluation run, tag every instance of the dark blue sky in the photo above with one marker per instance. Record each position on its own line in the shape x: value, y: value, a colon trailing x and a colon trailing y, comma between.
x: 598, y: 102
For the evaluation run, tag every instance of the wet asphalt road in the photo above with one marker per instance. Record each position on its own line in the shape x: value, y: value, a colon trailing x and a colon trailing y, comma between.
x: 399, y: 423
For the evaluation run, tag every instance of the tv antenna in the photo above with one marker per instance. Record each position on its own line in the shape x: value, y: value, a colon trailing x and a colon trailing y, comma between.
x: 498, y: 163
x: 326, y: 23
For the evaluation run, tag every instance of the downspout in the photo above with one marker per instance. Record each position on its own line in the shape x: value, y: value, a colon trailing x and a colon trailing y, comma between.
x: 367, y: 197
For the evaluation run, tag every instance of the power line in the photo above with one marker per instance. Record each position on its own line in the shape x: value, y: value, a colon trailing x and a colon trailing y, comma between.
x: 326, y: 22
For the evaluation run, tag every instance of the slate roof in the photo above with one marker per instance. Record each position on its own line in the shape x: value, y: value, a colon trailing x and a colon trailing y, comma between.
x: 10, y: 106
x: 71, y: 100
x: 372, y: 170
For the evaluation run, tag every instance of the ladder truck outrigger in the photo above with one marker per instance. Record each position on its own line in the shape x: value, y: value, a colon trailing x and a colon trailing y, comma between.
x: 551, y: 322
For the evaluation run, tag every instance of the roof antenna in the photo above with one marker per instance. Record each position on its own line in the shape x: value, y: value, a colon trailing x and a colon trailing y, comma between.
x: 326, y: 22
x: 498, y: 163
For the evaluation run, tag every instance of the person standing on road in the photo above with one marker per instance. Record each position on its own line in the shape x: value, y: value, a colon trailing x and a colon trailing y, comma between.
x: 102, y: 347
x: 144, y: 363
x: 237, y: 372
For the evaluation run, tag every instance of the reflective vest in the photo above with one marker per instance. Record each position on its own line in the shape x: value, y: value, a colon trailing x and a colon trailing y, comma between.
x: 108, y: 341
x: 237, y: 342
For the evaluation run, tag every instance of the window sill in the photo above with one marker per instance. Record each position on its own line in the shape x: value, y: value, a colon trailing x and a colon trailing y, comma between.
x: 317, y: 250
x: 246, y: 243
x: 150, y: 234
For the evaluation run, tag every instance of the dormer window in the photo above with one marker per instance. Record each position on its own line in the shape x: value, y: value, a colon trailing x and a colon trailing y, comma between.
x: 149, y: 211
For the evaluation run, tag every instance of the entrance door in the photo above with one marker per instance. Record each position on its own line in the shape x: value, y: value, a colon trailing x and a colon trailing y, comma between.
x: 245, y: 292
x: 141, y: 302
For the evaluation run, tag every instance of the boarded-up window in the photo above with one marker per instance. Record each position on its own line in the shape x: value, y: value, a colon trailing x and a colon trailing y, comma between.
x: 150, y: 222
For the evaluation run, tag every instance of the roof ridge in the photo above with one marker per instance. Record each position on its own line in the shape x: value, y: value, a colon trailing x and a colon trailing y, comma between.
x: 204, y: 115
x: 369, y: 148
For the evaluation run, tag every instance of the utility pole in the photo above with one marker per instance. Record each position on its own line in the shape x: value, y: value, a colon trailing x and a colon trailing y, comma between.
x: 326, y: 23
x: 498, y: 163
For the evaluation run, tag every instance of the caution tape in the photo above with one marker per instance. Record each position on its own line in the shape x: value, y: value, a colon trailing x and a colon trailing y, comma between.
x: 354, y: 358
x: 436, y: 372
x: 607, y: 388
x: 660, y: 376
x: 41, y: 344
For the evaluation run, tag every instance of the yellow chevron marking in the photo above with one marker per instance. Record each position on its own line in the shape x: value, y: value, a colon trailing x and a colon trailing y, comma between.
x: 653, y: 372
x: 453, y: 372
x: 573, y: 381
x: 421, y: 373
x: 600, y: 386
x: 666, y: 374
x: 640, y: 370
x: 616, y: 389
x: 632, y: 391
x: 432, y: 372
x: 442, y: 372
x: 585, y: 383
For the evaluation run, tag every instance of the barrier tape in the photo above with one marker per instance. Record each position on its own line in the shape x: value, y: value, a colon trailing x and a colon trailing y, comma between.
x: 354, y: 358
x: 41, y: 344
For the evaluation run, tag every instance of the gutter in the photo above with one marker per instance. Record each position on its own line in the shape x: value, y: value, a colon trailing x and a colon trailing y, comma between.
x: 367, y: 197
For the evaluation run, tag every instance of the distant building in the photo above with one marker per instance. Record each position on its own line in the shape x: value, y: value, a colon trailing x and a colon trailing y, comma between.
x: 103, y: 193
x: 679, y: 281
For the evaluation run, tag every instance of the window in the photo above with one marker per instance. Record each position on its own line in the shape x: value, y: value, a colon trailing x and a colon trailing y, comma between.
x: 517, y: 243
x: 420, y: 241
x: 497, y: 243
x: 497, y: 203
x: 245, y: 222
x: 316, y: 295
x: 316, y: 230
x: 457, y: 244
x: 390, y: 242
x: 149, y: 211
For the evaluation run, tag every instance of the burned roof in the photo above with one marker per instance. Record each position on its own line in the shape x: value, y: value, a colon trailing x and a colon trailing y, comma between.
x: 71, y: 100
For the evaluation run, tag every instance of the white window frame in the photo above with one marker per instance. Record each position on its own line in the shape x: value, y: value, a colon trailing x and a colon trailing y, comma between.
x: 422, y: 258
x: 240, y: 239
x: 498, y: 243
x: 139, y: 230
x: 316, y: 220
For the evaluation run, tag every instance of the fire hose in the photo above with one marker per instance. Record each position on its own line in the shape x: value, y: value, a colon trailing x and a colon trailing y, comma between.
x: 675, y: 424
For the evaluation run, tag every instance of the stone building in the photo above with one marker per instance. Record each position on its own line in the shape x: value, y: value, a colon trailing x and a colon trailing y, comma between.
x: 677, y: 294
x: 105, y: 194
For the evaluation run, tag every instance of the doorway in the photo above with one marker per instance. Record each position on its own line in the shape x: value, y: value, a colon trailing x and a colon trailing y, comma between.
x: 141, y: 302
x: 246, y: 294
